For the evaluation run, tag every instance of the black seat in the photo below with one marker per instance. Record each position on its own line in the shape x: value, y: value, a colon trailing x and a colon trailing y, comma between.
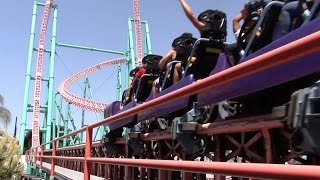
x: 203, y: 58
x: 183, y: 46
x: 144, y: 84
x: 207, y: 49
x: 144, y: 87
x: 261, y: 34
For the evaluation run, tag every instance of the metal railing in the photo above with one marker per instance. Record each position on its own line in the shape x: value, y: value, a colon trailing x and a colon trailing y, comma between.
x: 287, y: 53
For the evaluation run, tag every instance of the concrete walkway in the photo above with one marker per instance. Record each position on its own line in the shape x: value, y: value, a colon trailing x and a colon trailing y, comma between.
x: 64, y: 173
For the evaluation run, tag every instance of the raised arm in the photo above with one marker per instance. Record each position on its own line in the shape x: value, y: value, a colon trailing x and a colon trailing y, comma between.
x: 236, y: 21
x: 236, y: 24
x: 187, y: 10
x: 165, y: 59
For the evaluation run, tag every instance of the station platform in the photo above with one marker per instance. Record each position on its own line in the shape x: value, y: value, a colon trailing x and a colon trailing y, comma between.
x: 66, y: 174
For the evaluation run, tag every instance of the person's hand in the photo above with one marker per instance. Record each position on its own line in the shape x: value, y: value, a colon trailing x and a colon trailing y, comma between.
x: 245, y: 13
x: 306, y: 14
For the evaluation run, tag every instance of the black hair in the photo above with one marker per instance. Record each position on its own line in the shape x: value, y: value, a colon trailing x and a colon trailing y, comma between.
x: 183, y: 37
x: 202, y: 16
x: 134, y: 71
x: 215, y: 22
x: 254, y: 5
x: 151, y: 62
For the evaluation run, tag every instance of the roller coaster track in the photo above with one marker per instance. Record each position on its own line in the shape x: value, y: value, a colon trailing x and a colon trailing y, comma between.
x: 93, y: 105
x: 79, y: 101
x: 99, y: 106
x: 38, y: 79
x: 76, y: 100
x: 280, y: 56
x: 137, y: 21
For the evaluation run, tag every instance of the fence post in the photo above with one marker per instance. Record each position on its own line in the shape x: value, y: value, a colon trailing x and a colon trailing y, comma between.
x: 41, y: 159
x: 27, y: 156
x: 34, y: 160
x: 54, y: 149
x: 87, y: 153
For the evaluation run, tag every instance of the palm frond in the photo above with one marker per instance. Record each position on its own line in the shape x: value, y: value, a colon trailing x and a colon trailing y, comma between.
x: 5, y: 115
x: 1, y: 100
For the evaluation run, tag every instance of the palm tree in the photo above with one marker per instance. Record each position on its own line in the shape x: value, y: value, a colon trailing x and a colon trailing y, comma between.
x: 10, y: 168
x: 5, y: 115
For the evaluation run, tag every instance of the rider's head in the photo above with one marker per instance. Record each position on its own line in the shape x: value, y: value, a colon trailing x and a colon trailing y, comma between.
x: 181, y: 42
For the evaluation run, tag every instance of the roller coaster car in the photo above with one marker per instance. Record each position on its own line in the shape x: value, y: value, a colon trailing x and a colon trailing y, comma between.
x: 261, y: 102
x: 262, y: 28
x: 141, y: 89
x: 210, y: 54
x: 283, y: 84
x: 200, y: 62
x: 258, y: 93
x: 142, y: 80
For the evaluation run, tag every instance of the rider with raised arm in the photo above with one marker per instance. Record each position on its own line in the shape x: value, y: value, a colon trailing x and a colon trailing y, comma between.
x: 212, y: 26
x: 204, y: 22
x: 242, y: 16
x: 193, y: 19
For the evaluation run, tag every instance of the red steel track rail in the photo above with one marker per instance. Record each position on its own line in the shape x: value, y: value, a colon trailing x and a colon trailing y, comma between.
x: 254, y: 170
x: 38, y: 78
x: 79, y: 101
x: 138, y: 33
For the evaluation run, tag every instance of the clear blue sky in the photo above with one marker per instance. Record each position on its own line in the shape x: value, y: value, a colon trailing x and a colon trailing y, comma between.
x: 95, y: 23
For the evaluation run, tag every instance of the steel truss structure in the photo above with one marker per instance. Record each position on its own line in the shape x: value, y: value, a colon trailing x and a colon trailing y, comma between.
x: 169, y: 153
x: 52, y: 106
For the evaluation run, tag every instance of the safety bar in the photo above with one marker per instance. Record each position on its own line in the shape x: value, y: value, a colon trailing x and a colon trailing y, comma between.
x: 168, y: 70
x: 193, y: 53
x: 260, y: 21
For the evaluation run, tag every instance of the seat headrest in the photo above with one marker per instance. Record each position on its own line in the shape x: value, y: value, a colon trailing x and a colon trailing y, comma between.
x: 134, y: 71
x: 183, y: 41
x: 211, y: 15
x: 151, y: 58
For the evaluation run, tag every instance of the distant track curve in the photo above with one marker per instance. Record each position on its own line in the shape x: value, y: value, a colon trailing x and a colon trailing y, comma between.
x: 82, y: 102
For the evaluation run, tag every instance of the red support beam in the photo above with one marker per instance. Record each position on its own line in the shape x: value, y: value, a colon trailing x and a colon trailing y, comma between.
x: 210, y: 129
x: 87, y: 164
x: 217, y: 128
x: 163, y: 174
x: 54, y: 151
x: 41, y: 157
x: 127, y: 169
x: 35, y: 154
x: 267, y: 142
x: 81, y: 159
x: 143, y: 173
